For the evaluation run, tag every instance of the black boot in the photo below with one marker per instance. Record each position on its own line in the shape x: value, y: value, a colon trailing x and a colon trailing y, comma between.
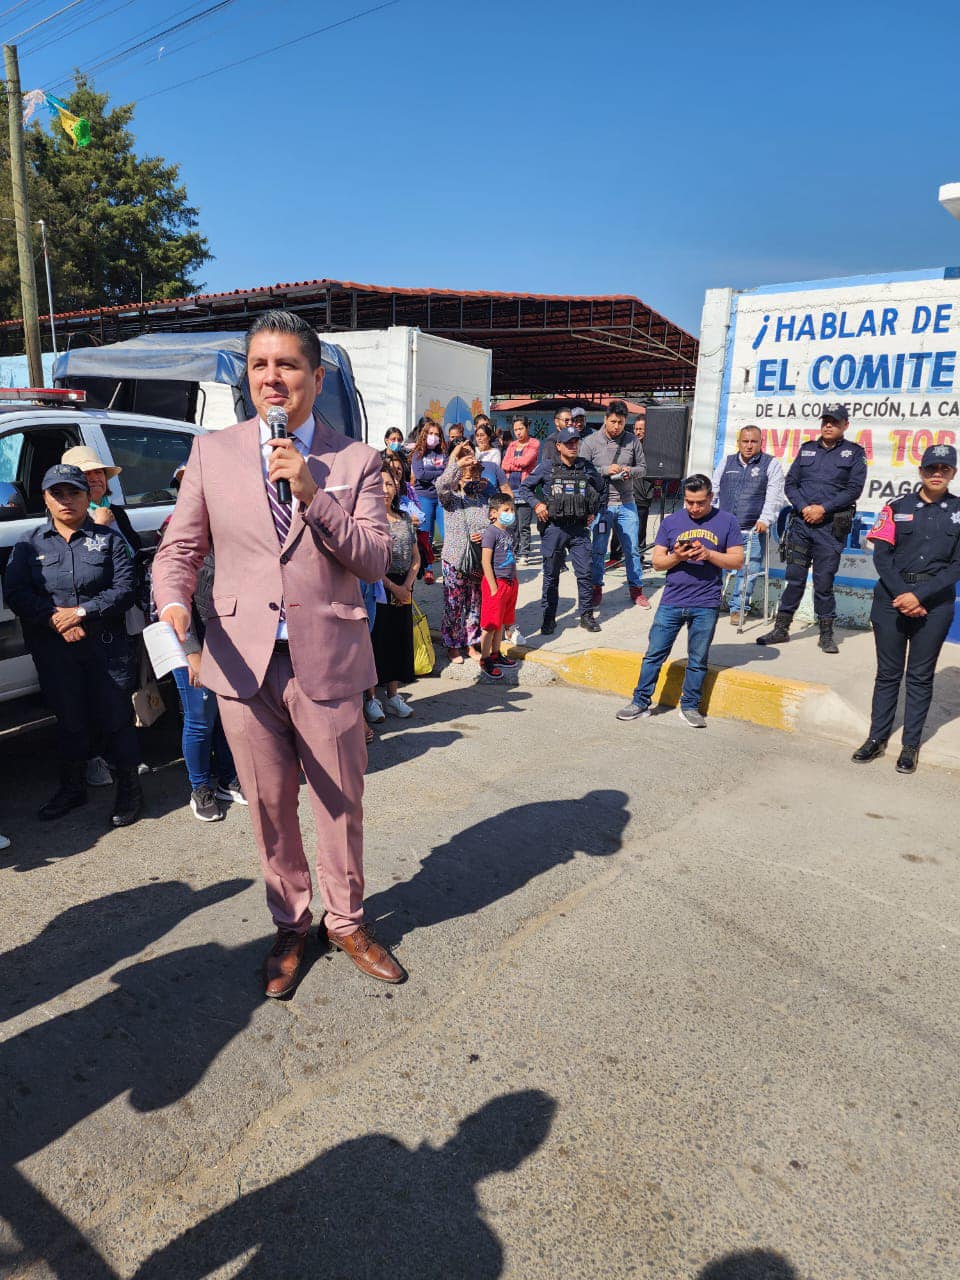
x: 781, y: 630
x: 549, y: 624
x: 907, y: 760
x: 589, y: 621
x: 827, y: 642
x: 871, y: 749
x: 72, y: 793
x: 128, y: 803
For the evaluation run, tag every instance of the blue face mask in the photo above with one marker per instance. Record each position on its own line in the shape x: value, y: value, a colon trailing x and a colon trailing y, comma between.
x: 507, y: 518
x: 393, y: 445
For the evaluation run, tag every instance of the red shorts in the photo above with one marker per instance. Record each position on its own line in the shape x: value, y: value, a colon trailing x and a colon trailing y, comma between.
x: 499, y: 610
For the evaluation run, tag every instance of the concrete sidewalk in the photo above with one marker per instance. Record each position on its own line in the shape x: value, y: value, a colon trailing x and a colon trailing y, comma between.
x: 794, y: 687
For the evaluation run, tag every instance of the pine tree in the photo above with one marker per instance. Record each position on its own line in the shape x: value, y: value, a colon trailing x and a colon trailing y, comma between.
x: 110, y: 214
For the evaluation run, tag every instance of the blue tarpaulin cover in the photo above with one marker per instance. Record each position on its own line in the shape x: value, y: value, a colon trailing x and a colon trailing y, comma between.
x: 180, y: 357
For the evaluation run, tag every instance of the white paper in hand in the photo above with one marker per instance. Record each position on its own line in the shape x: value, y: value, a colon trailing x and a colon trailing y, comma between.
x: 164, y: 650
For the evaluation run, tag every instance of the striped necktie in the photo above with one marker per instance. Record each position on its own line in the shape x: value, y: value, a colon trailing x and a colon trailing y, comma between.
x: 282, y: 517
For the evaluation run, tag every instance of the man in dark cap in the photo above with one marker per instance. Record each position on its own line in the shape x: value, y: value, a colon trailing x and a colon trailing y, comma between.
x: 822, y: 486
x: 916, y: 551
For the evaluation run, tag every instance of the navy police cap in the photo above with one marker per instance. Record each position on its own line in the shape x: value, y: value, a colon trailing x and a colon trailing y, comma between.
x: 568, y: 435
x: 836, y: 411
x: 944, y: 454
x: 63, y: 473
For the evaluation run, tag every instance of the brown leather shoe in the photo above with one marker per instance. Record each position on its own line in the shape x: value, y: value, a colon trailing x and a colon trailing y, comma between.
x: 367, y: 954
x: 282, y: 966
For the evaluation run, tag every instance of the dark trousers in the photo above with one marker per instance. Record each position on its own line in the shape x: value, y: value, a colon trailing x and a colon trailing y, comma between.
x: 76, y: 682
x: 812, y: 544
x: 915, y: 642
x: 555, y: 542
x: 524, y: 518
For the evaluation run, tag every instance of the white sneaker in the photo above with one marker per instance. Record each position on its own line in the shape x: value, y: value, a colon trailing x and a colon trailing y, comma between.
x: 373, y: 710
x: 98, y: 772
x: 397, y: 707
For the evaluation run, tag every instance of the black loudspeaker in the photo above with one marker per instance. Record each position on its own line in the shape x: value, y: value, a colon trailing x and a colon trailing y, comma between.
x: 666, y: 441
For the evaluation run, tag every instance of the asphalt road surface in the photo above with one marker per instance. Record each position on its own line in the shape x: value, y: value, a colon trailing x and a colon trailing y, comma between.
x: 681, y: 1005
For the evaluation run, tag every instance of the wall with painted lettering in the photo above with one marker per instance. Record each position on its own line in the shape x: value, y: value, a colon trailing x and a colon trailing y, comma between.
x: 888, y: 347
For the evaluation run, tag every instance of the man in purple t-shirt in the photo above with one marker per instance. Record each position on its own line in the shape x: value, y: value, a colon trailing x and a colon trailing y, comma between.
x: 695, y: 546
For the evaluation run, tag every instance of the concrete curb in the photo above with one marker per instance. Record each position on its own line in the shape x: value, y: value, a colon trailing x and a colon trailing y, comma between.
x: 792, y: 706
x: 736, y: 695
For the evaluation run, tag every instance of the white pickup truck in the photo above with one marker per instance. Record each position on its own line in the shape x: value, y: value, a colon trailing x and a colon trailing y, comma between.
x: 35, y: 430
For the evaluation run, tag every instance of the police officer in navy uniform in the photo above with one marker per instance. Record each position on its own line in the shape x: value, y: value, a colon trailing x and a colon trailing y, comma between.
x: 70, y: 583
x: 916, y: 551
x: 822, y: 486
x: 572, y: 493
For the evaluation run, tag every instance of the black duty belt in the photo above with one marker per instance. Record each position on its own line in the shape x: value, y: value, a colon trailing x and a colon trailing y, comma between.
x: 917, y: 577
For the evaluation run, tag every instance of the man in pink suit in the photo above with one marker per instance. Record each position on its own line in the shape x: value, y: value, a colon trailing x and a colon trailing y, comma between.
x: 287, y: 648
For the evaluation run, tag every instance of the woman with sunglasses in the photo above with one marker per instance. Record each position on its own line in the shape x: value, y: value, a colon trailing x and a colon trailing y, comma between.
x: 916, y: 552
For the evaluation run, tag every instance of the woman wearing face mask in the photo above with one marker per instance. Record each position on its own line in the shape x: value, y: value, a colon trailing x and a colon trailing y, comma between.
x: 392, y: 441
x: 428, y: 461
x: 462, y: 493
x: 519, y: 460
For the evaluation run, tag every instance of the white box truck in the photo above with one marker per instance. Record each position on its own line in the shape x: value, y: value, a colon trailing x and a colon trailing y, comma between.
x: 403, y: 373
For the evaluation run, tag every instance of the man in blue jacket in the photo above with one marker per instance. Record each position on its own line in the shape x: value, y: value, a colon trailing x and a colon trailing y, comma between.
x: 749, y: 484
x: 822, y: 487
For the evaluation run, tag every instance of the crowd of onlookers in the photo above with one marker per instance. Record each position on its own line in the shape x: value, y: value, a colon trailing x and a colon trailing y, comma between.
x: 459, y: 513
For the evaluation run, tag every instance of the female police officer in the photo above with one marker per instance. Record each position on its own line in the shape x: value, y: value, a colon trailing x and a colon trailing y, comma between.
x: 916, y: 551
x: 70, y: 583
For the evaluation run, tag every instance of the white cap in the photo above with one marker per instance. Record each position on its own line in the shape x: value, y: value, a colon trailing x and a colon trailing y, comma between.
x: 577, y: 412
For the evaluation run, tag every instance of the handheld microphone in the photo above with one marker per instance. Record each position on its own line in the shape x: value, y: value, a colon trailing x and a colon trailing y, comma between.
x: 277, y: 426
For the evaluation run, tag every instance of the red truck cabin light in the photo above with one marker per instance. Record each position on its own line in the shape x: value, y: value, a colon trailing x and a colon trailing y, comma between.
x: 44, y: 395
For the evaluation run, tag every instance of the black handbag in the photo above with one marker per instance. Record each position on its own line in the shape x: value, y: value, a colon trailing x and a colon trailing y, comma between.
x: 471, y: 562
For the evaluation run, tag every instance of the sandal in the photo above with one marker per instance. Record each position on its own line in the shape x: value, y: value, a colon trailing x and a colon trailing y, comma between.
x: 368, y: 734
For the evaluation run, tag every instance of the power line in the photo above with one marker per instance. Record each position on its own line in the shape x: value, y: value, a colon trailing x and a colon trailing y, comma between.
x: 43, y: 21
x: 83, y: 23
x: 111, y: 59
x: 13, y: 8
x: 261, y: 53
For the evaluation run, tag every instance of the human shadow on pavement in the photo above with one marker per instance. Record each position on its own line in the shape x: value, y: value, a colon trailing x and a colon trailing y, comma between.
x: 755, y: 1264
x: 372, y: 1207
x: 496, y: 857
x: 31, y: 778
x: 92, y: 937
x: 388, y: 750
x: 153, y: 1037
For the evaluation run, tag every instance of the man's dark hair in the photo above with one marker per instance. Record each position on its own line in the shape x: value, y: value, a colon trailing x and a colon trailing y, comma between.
x: 481, y: 417
x: 499, y: 500
x: 288, y: 322
x: 617, y: 407
x: 697, y: 483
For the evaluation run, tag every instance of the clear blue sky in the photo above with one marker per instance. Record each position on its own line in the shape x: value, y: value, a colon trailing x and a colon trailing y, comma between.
x: 549, y: 147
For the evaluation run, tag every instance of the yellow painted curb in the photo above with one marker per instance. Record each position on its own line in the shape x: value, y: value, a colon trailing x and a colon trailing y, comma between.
x: 730, y: 693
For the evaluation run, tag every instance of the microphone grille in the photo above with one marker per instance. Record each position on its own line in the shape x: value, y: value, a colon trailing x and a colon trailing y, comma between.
x: 277, y: 417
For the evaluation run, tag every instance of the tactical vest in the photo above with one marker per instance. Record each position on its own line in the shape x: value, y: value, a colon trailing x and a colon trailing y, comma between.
x: 567, y: 494
x: 743, y: 489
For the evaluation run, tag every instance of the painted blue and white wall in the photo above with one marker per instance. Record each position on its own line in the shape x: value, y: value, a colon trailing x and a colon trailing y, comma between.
x: 886, y: 346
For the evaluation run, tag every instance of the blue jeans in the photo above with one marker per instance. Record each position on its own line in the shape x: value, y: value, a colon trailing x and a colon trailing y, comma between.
x: 754, y: 566
x: 623, y: 515
x: 700, y: 624
x: 202, y: 734
x: 432, y: 514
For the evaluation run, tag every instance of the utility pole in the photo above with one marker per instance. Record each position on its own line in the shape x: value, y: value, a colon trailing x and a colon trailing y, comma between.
x: 21, y: 212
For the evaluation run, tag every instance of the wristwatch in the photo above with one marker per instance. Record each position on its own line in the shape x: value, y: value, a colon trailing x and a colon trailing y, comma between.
x: 80, y: 611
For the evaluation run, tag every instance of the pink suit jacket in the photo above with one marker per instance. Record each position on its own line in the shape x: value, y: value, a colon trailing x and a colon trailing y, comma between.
x: 341, y: 537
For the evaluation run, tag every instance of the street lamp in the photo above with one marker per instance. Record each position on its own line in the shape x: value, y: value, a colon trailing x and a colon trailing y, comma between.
x: 950, y: 198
